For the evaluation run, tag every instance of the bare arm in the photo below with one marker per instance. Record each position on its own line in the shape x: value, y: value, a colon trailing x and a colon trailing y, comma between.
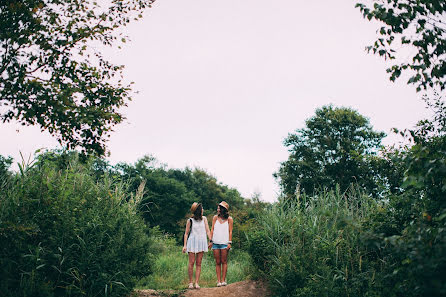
x: 213, y: 224
x: 231, y: 223
x: 212, y: 231
x: 186, y: 234
x: 208, y: 233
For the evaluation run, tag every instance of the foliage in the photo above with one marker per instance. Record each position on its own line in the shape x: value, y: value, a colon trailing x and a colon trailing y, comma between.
x: 410, y: 233
x: 408, y: 247
x: 388, y: 170
x: 170, y: 266
x: 426, y: 161
x: 411, y: 24
x: 245, y: 219
x: 332, y: 149
x: 169, y: 193
x: 52, y: 73
x: 5, y: 163
x: 310, y: 246
x: 164, y: 201
x: 64, y: 234
x: 206, y: 188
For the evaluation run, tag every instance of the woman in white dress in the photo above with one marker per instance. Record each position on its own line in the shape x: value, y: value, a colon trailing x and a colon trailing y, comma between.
x: 221, y: 240
x: 196, y: 243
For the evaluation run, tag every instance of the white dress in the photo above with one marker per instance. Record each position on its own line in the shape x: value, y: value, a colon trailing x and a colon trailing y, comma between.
x: 197, y: 241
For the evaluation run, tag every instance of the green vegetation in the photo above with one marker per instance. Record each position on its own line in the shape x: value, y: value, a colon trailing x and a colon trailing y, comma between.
x: 170, y: 192
x: 170, y: 267
x: 335, y: 243
x: 418, y: 26
x: 74, y: 226
x: 52, y: 73
x: 335, y: 147
x: 64, y: 234
x: 354, y: 219
x: 310, y: 246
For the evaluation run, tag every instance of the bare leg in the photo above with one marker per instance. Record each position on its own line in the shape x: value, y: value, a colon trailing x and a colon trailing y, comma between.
x: 218, y: 264
x: 190, y: 269
x: 198, y: 266
x: 224, y: 263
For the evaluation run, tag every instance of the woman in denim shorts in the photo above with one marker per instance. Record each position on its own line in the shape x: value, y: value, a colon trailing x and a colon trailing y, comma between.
x: 221, y: 234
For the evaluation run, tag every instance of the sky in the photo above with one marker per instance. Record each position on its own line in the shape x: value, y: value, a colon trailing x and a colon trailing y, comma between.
x: 222, y: 83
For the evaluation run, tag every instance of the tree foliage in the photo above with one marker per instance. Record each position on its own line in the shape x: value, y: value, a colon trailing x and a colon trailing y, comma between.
x: 332, y: 149
x: 52, y: 73
x: 169, y: 193
x: 415, y: 24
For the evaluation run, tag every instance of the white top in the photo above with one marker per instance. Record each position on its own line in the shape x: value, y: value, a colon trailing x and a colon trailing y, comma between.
x: 197, y: 241
x: 221, y: 232
x: 198, y: 229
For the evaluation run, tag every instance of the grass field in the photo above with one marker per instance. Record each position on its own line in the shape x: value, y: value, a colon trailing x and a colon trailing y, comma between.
x: 170, y: 267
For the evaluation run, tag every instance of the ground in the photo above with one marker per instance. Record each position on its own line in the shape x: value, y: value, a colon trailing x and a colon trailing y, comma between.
x: 239, y: 289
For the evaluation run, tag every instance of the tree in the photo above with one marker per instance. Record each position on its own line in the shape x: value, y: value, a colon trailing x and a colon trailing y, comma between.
x: 418, y: 25
x: 425, y: 161
x: 52, y: 73
x: 207, y: 189
x: 332, y: 149
x: 165, y: 201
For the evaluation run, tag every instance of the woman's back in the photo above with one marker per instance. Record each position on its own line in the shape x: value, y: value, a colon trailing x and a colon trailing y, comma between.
x: 198, y: 228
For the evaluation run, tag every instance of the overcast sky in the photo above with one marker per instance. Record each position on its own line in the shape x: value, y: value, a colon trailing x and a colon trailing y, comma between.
x: 222, y: 83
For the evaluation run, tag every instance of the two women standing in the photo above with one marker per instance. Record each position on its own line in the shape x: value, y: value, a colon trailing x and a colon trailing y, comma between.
x: 220, y: 239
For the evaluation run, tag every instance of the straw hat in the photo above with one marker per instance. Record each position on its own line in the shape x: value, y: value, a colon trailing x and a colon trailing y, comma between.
x: 194, y: 207
x: 224, y: 204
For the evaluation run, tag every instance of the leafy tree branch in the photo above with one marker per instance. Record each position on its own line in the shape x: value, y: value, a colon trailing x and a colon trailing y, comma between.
x: 415, y: 24
x: 51, y: 75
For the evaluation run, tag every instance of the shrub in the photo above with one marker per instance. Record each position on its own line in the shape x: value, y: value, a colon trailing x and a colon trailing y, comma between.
x: 310, y: 247
x: 64, y: 234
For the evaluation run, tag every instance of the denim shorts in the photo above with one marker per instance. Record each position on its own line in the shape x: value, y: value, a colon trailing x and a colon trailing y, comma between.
x: 216, y: 246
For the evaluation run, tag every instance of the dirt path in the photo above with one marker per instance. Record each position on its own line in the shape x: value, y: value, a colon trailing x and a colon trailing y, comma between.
x: 240, y: 289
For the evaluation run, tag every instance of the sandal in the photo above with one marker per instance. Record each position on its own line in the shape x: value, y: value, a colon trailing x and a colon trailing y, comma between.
x: 224, y: 283
x: 191, y: 285
x: 218, y: 284
x: 197, y: 286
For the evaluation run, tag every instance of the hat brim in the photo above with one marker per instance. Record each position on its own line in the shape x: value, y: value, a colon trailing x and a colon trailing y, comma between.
x: 223, y: 205
x: 194, y: 207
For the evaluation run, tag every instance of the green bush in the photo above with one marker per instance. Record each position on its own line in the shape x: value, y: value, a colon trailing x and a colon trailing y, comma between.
x: 64, y: 234
x: 311, y: 246
x: 409, y: 233
x: 412, y: 244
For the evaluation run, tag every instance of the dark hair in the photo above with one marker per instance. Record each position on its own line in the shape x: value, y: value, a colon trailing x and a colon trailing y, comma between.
x: 197, y: 212
x: 224, y: 213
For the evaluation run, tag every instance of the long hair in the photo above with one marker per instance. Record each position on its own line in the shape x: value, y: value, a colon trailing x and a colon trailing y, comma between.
x: 197, y: 213
x: 224, y: 213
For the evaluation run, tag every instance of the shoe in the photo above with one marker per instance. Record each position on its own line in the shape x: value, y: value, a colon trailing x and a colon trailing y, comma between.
x: 197, y: 286
x: 224, y: 284
x: 218, y: 284
x: 191, y: 285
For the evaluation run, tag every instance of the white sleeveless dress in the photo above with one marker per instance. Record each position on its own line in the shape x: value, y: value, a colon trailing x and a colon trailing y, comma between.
x: 197, y: 241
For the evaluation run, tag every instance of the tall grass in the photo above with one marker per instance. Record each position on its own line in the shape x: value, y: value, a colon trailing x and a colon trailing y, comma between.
x: 64, y: 234
x: 170, y: 267
x: 310, y: 246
